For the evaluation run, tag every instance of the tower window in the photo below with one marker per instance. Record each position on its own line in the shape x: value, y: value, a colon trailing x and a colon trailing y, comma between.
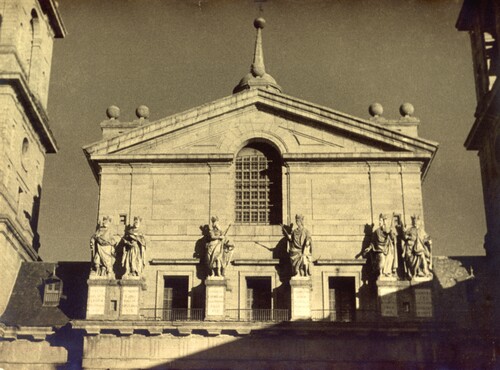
x: 24, y: 153
x: 258, y: 185
x: 34, y: 28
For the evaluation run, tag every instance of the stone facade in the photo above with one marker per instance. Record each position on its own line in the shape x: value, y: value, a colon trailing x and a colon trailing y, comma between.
x: 185, y: 177
x: 481, y: 19
x: 338, y: 171
x: 28, y: 30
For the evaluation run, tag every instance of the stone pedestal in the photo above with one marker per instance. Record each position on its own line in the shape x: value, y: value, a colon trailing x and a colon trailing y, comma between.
x: 422, y: 290
x: 111, y: 299
x: 215, y: 298
x: 388, y: 291
x: 403, y: 300
x: 301, y: 288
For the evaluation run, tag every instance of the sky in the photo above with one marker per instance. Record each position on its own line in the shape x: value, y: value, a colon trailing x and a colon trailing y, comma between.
x: 173, y: 55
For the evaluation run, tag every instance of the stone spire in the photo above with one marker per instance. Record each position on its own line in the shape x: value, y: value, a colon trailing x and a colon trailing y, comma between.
x: 258, y: 78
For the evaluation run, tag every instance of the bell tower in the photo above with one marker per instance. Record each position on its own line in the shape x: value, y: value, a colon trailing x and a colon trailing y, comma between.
x: 27, y: 32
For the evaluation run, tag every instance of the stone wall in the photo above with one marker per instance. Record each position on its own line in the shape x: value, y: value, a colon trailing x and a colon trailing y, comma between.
x: 10, y: 262
x: 32, y: 53
x: 25, y: 354
x: 22, y: 167
x: 339, y: 200
x: 272, y: 351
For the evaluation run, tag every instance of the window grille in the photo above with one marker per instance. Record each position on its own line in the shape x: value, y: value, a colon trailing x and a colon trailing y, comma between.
x: 252, y: 189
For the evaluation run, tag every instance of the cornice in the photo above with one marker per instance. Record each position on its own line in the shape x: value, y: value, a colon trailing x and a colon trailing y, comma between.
x: 51, y: 8
x: 12, y: 227
x: 33, y: 108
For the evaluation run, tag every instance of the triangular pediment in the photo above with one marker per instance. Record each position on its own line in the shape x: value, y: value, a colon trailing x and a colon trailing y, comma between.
x: 297, y: 128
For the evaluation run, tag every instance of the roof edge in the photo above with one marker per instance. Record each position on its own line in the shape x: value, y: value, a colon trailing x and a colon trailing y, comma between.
x: 51, y: 8
x: 243, y: 99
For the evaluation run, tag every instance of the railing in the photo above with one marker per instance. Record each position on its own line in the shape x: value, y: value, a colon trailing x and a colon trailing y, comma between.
x: 198, y: 314
x: 174, y: 314
x: 257, y: 314
x: 275, y: 315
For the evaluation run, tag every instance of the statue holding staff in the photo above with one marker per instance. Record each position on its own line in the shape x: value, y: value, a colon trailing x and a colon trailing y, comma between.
x: 218, y: 249
x: 299, y: 247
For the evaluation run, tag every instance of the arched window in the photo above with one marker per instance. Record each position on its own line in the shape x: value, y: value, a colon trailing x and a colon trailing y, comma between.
x: 258, y: 185
x: 34, y: 30
x: 25, y: 153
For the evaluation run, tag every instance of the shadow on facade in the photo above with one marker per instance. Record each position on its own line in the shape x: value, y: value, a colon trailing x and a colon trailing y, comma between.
x: 459, y: 334
x: 73, y: 304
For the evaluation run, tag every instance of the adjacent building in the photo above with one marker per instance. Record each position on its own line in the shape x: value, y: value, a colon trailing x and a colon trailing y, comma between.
x: 27, y: 32
x: 481, y: 19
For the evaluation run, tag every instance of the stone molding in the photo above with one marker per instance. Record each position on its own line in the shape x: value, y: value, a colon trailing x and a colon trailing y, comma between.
x: 271, y: 100
x: 25, y: 332
x: 33, y: 109
x: 12, y: 227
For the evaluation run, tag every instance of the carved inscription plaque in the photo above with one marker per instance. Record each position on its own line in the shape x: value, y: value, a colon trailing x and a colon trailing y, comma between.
x: 215, y: 300
x: 130, y: 300
x: 96, y: 302
x: 301, y: 301
x: 388, y: 302
x: 423, y: 302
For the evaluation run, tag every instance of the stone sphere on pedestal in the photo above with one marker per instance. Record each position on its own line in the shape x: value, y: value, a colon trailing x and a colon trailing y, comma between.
x: 142, y: 112
x: 375, y: 109
x: 113, y: 112
x: 406, y: 110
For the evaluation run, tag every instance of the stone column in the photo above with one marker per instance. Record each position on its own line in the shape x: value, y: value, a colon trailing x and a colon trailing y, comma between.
x: 215, y: 297
x: 301, y: 289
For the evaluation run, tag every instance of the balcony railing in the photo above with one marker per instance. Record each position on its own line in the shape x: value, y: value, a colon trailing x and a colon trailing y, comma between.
x: 265, y: 315
x: 174, y: 314
x: 198, y: 314
x: 261, y: 315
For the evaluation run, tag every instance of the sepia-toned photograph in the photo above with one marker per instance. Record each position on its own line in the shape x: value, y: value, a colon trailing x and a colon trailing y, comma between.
x: 249, y: 184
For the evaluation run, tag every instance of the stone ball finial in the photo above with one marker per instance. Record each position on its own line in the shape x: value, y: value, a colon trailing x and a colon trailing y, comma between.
x: 142, y: 112
x: 259, y: 22
x: 113, y: 112
x: 406, y: 109
x: 376, y: 109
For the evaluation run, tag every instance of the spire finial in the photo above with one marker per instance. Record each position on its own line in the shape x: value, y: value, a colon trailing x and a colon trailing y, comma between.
x: 258, y: 77
x: 258, y: 68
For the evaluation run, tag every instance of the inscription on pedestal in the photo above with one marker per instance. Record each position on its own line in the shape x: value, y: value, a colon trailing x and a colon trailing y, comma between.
x: 130, y: 300
x: 423, y: 302
x: 388, y: 302
x: 96, y: 302
x: 301, y: 302
x: 215, y: 300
